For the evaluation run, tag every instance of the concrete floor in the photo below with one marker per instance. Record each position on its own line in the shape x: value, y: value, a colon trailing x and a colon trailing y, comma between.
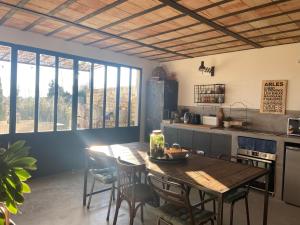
x: 57, y: 200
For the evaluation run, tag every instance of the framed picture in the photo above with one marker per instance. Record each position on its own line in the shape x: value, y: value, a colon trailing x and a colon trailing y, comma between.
x: 273, y: 96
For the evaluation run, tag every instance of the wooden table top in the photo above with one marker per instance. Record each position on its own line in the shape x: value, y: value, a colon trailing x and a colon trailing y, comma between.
x: 216, y: 175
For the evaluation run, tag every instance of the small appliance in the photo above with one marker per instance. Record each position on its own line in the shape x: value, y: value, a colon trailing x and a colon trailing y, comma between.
x: 293, y: 126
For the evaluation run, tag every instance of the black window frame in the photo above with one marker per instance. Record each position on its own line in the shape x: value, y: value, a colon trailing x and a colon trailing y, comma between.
x: 38, y: 51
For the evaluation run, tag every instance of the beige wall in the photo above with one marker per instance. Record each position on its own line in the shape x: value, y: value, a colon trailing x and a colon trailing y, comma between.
x: 59, y: 45
x: 242, y: 72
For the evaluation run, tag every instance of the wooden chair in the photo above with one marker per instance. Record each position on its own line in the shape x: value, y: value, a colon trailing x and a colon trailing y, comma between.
x: 177, y: 210
x: 231, y: 197
x: 131, y: 189
x: 106, y: 175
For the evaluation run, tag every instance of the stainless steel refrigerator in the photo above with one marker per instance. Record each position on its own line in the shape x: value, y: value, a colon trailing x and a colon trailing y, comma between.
x: 291, y: 193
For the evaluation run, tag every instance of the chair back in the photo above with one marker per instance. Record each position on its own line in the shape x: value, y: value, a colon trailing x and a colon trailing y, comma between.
x: 128, y: 176
x: 93, y: 162
x: 171, y: 191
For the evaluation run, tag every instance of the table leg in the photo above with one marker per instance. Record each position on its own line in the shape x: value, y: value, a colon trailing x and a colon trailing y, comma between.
x: 266, y: 200
x: 220, y: 210
x: 85, y: 186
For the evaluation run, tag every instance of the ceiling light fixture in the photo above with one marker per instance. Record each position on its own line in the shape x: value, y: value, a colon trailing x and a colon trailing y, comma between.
x: 210, y: 70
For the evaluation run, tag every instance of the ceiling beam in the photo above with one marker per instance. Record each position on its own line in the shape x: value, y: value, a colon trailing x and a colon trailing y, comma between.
x: 11, y: 12
x: 101, y: 10
x: 70, y: 23
x: 208, y: 22
x: 172, y: 18
x: 52, y: 12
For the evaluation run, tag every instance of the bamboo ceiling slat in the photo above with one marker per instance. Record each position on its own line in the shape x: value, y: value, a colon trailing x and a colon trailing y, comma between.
x: 20, y: 20
x: 214, y: 52
x: 90, y: 37
x: 171, y: 58
x: 108, y: 42
x: 46, y: 26
x: 69, y: 32
x: 44, y: 6
x: 123, y: 46
x: 91, y: 15
x: 3, y: 11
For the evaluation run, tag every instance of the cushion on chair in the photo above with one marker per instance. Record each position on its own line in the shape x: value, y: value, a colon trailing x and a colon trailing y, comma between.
x: 235, y: 195
x: 106, y: 175
x: 180, y: 216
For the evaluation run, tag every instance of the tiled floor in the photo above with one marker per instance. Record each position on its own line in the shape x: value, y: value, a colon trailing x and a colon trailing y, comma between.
x: 57, y: 200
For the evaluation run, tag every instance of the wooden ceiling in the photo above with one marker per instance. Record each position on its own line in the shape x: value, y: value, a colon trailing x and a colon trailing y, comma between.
x: 161, y: 30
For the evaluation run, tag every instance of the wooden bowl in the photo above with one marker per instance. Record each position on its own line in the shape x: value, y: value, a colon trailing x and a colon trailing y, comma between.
x: 176, y: 153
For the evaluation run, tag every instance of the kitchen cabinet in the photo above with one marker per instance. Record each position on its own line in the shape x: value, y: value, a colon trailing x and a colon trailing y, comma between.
x: 201, y: 141
x: 161, y: 99
x: 220, y: 144
x: 211, y: 143
x: 170, y: 135
x: 185, y: 138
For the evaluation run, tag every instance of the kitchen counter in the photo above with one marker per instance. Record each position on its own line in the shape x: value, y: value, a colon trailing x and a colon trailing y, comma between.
x: 280, y: 138
x: 235, y: 131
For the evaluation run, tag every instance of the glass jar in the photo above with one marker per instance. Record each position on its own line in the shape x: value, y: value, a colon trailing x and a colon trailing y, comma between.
x: 157, y: 144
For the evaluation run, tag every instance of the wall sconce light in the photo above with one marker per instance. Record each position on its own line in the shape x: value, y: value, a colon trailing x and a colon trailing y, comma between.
x: 204, y: 69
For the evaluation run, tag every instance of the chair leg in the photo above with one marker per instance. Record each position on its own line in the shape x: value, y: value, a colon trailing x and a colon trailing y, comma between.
x: 114, y: 191
x: 212, y: 222
x: 201, y: 195
x: 142, y: 213
x: 131, y: 213
x: 231, y: 213
x: 118, y: 204
x: 110, y: 200
x: 247, y: 210
x: 92, y: 189
x: 214, y: 208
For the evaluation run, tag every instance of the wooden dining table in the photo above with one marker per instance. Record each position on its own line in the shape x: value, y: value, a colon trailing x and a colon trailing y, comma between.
x: 211, y: 175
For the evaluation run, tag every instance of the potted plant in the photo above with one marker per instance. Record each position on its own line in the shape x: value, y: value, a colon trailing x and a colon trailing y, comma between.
x: 14, y: 166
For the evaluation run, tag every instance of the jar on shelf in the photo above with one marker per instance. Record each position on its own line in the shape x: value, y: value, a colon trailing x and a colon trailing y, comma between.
x: 157, y: 144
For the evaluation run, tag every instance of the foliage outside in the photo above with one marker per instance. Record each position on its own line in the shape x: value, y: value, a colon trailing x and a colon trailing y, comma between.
x: 14, y: 166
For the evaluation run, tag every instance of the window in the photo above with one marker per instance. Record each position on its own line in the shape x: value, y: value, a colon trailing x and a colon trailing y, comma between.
x: 46, y: 93
x: 111, y: 93
x: 124, y: 96
x: 26, y: 77
x: 98, y: 95
x: 5, y: 70
x: 65, y: 94
x: 134, y: 99
x: 41, y: 86
x: 84, y: 90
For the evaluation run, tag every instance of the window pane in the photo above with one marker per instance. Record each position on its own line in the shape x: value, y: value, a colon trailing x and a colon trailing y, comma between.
x: 83, y: 111
x: 65, y: 93
x: 124, y: 96
x: 26, y: 75
x: 135, y: 89
x: 98, y: 96
x: 5, y: 69
x: 46, y: 93
x: 111, y: 91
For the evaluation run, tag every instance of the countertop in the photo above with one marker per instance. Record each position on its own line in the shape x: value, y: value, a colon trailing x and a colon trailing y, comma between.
x: 236, y: 131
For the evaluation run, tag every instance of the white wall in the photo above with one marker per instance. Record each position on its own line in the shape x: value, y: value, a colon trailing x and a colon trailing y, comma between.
x: 242, y: 72
x: 59, y: 45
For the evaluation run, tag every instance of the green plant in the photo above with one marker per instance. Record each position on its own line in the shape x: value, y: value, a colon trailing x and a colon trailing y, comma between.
x: 14, y: 166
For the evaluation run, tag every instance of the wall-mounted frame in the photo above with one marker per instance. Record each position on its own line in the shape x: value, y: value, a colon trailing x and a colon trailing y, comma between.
x: 212, y: 93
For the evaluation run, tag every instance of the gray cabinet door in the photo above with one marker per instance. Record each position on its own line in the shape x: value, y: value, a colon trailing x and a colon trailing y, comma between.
x: 170, y: 135
x: 185, y: 138
x: 201, y: 141
x: 220, y: 144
